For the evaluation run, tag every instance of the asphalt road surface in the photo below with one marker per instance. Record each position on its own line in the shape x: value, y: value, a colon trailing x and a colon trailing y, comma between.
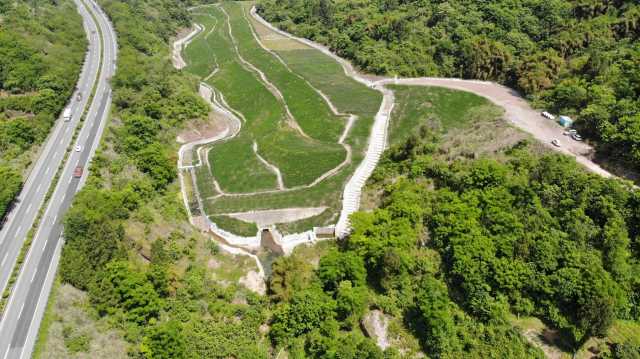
x: 26, y: 305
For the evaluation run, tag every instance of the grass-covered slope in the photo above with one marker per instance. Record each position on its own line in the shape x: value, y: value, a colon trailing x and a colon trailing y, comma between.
x: 303, y: 145
x: 237, y: 168
x: 579, y: 58
x: 436, y: 106
x: 41, y: 52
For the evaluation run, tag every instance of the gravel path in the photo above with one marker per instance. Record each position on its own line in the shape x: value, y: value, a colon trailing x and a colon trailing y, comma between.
x: 518, y: 112
x: 377, y: 140
x: 180, y: 44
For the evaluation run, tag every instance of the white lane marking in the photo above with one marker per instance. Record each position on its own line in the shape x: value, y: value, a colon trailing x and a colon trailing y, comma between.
x: 21, y: 309
x: 18, y: 229
x: 70, y: 178
x: 6, y: 354
x: 45, y: 244
x: 34, y: 275
x: 28, y: 207
x: 4, y: 259
x: 47, y: 170
x: 61, y: 140
x: 39, y: 185
x: 54, y: 218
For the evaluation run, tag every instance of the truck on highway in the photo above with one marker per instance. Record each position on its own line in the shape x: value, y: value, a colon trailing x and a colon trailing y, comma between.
x: 67, y: 114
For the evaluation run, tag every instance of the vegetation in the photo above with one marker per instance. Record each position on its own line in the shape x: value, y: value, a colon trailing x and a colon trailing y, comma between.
x: 296, y: 70
x: 236, y: 226
x: 577, y: 57
x: 41, y: 52
x: 300, y: 159
x: 457, y: 245
x: 417, y: 106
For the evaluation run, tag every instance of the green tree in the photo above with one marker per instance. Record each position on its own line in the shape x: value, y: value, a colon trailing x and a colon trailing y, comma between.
x: 308, y: 310
x: 337, y: 266
x: 120, y: 288
x: 165, y: 341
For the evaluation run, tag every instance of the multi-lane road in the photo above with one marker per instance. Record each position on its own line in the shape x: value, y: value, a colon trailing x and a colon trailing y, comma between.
x: 24, y: 310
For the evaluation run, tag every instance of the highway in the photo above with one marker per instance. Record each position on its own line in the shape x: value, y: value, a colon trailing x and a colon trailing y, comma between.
x: 26, y: 305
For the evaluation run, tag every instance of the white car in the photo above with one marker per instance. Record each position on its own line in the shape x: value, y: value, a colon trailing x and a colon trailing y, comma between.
x: 576, y: 137
x: 546, y: 114
x: 78, y: 148
x: 556, y: 143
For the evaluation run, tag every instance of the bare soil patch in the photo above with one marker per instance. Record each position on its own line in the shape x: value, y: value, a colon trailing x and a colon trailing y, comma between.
x: 274, y: 216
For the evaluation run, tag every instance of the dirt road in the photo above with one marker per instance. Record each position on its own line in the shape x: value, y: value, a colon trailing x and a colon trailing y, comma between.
x: 518, y: 112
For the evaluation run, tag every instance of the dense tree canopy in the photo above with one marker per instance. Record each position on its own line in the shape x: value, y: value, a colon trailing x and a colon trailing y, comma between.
x: 580, y: 58
x: 535, y: 235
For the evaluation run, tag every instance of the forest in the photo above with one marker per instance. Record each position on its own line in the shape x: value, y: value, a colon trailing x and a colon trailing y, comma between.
x: 454, y: 249
x: 578, y: 57
x: 41, y: 52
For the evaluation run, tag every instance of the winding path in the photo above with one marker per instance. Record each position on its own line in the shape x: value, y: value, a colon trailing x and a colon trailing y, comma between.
x: 517, y: 111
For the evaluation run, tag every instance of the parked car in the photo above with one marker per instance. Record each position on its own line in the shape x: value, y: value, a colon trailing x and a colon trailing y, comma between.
x: 546, y: 114
x: 556, y: 143
x: 576, y: 137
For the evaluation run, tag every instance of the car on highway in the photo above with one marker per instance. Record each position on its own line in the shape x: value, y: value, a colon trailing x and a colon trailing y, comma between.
x: 67, y: 114
x: 555, y: 142
x: 78, y: 148
x: 546, y: 114
x: 77, y: 172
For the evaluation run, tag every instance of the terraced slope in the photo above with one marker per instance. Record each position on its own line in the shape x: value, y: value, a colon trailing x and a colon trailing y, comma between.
x: 304, y: 122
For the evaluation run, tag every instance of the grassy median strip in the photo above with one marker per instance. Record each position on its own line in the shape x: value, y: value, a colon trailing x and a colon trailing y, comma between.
x: 27, y: 243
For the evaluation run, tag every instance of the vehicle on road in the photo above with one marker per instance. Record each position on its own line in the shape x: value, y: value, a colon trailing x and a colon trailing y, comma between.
x: 77, y: 173
x: 79, y: 96
x: 78, y: 148
x: 67, y: 114
x: 569, y: 132
x: 576, y: 137
x: 546, y: 114
x: 555, y: 142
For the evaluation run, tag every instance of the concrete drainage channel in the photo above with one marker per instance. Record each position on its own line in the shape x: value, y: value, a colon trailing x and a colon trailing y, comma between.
x: 520, y: 114
x: 268, y: 236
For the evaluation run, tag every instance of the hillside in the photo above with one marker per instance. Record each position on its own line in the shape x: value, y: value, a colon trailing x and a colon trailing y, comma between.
x: 469, y: 229
x: 41, y: 53
x: 579, y: 58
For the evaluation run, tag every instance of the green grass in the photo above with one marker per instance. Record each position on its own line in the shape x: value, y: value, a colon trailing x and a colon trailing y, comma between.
x: 299, y: 159
x: 235, y: 226
x: 418, y: 105
x: 328, y: 76
x: 307, y: 106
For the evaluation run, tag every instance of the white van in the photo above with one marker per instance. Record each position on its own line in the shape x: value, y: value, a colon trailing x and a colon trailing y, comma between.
x: 67, y: 114
x: 548, y: 115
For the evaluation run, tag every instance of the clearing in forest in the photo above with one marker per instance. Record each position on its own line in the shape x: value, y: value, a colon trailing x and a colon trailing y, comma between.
x: 301, y: 125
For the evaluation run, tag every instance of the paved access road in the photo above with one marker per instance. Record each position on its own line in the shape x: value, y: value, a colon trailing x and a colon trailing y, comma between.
x: 26, y: 305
